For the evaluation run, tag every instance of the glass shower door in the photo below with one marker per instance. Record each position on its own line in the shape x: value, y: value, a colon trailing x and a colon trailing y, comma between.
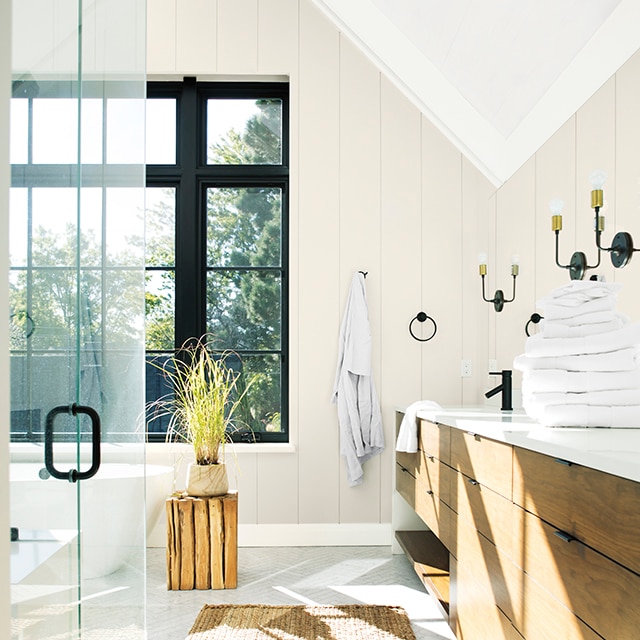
x: 77, y: 319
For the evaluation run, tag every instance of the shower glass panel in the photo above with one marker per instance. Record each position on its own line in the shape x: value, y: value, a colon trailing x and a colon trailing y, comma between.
x: 77, y: 319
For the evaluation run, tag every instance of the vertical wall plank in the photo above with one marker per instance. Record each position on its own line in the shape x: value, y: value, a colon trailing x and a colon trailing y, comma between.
x: 196, y: 26
x: 318, y: 312
x: 400, y: 275
x: 242, y: 469
x: 515, y: 234
x: 627, y: 215
x: 555, y: 178
x: 278, y: 37
x: 595, y: 143
x: 161, y: 36
x: 237, y: 36
x: 278, y: 489
x: 32, y: 54
x: 477, y: 209
x: 441, y: 269
x: 360, y: 234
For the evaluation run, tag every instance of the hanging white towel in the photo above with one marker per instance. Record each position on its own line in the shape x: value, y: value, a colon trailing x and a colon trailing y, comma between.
x: 359, y: 415
x: 408, y: 432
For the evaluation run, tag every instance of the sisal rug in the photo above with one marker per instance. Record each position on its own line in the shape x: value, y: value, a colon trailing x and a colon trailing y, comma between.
x: 300, y: 622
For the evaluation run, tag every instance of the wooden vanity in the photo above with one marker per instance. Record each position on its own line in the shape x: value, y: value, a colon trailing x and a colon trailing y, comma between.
x: 523, y: 543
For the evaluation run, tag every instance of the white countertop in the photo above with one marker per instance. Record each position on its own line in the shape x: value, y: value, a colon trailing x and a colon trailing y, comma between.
x: 615, y: 451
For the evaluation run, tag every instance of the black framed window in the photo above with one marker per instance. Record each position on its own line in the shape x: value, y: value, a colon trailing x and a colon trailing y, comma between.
x: 216, y: 237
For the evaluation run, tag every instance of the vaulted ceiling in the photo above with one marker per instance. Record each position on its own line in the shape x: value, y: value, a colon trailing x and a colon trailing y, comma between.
x: 498, y: 77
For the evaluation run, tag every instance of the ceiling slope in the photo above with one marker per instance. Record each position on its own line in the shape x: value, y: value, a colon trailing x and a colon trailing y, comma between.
x: 497, y: 77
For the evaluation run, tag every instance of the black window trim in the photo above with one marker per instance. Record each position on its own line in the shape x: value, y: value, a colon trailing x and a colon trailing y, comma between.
x: 191, y: 176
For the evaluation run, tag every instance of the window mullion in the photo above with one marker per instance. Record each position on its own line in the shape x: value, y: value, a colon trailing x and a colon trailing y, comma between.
x: 189, y: 280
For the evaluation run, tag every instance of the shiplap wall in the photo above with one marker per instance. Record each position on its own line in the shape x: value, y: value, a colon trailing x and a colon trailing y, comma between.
x: 376, y: 187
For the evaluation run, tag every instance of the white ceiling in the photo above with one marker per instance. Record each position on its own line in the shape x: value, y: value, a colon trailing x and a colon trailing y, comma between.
x: 498, y: 77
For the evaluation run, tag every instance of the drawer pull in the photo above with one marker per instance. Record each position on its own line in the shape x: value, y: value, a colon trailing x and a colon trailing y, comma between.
x: 404, y: 470
x: 432, y: 458
x: 567, y: 463
x: 564, y: 536
x: 429, y: 492
x: 472, y: 481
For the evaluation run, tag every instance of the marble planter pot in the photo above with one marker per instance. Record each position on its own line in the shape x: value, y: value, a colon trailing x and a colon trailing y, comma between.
x: 207, y: 480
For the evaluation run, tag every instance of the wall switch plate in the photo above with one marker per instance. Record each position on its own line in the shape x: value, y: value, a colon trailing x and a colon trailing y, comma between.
x: 465, y: 368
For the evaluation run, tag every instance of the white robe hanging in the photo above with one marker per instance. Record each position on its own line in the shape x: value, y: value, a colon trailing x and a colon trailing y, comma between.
x: 359, y: 415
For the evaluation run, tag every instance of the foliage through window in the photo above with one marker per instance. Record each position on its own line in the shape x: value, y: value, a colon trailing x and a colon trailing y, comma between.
x: 216, y: 239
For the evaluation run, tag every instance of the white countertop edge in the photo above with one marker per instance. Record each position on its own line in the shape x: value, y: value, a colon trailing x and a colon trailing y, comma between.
x: 614, y: 451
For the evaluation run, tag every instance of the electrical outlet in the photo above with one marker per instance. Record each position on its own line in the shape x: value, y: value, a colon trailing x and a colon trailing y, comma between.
x: 493, y: 365
x: 465, y: 368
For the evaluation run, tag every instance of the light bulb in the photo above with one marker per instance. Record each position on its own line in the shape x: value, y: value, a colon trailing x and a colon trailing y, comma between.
x: 515, y: 259
x: 597, y: 179
x: 482, y: 258
x: 556, y: 205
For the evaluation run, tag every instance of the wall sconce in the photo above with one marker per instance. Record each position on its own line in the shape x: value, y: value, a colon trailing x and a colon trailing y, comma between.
x: 621, y: 248
x: 498, y: 299
x: 578, y: 263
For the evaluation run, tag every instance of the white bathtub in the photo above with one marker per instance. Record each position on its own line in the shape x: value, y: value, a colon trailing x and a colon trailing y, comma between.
x: 111, y: 508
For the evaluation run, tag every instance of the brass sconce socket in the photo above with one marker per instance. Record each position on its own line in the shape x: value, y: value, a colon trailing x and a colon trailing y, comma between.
x: 482, y: 269
x: 597, y: 198
x: 556, y: 223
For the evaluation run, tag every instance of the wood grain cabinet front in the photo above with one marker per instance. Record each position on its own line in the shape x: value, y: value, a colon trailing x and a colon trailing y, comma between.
x: 596, y: 589
x: 597, y: 508
x: 488, y: 462
x: 539, y: 548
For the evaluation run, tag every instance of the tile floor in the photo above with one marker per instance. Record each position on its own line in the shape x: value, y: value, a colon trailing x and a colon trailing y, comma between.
x: 298, y: 575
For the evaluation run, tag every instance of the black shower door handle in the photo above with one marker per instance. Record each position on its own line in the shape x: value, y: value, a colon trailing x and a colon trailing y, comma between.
x: 72, y: 475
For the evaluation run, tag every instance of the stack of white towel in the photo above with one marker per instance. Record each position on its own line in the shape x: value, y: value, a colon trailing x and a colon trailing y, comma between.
x: 582, y: 369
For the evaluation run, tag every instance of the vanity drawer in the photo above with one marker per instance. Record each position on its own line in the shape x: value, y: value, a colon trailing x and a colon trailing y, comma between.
x: 544, y: 617
x: 598, y: 590
x: 487, y: 461
x: 485, y: 510
x: 433, y: 512
x: 476, y: 615
x: 597, y: 508
x: 406, y: 485
x: 495, y: 573
x: 433, y: 475
x: 435, y: 440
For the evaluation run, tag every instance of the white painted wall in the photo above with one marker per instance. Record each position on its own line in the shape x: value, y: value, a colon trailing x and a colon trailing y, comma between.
x: 375, y: 186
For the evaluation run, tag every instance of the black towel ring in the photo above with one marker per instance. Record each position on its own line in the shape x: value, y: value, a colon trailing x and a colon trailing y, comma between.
x: 421, y: 317
x: 535, y: 318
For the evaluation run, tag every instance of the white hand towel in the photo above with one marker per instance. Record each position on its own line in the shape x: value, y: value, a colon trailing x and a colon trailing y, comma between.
x: 620, y: 360
x: 628, y: 336
x: 542, y: 380
x: 408, y: 433
x: 590, y: 416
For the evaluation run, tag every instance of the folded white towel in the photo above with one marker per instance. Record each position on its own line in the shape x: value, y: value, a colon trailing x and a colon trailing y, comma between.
x: 543, y: 380
x: 591, y: 416
x: 628, y: 336
x: 558, y: 330
x: 408, y: 433
x: 620, y: 360
x: 584, y: 290
x: 594, y: 317
x: 554, y: 311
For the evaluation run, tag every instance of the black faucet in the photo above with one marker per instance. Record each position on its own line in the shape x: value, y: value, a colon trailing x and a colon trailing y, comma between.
x: 504, y: 387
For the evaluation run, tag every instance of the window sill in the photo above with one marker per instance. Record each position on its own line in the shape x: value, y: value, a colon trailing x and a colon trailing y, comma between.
x: 239, y: 448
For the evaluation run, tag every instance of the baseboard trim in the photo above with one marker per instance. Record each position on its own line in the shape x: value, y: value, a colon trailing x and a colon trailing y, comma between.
x: 314, y: 535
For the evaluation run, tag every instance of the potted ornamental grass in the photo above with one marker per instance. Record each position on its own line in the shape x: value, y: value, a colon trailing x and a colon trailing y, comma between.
x: 201, y: 407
